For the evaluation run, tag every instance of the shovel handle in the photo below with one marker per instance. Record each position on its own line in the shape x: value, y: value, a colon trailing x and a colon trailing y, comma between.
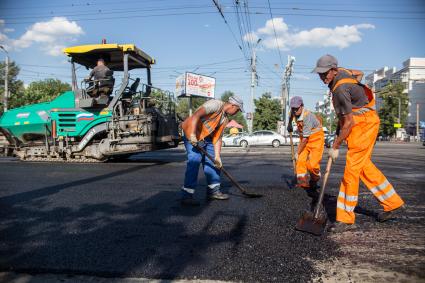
x: 293, y: 153
x: 222, y: 170
x: 322, y: 191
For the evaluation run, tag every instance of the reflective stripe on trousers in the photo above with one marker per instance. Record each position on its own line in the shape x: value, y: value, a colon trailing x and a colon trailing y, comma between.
x: 309, y: 160
x: 359, y: 166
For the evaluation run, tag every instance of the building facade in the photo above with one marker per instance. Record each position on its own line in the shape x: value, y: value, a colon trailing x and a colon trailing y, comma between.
x: 412, y: 76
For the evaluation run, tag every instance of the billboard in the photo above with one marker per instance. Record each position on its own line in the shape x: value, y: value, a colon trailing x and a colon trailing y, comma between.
x: 190, y: 84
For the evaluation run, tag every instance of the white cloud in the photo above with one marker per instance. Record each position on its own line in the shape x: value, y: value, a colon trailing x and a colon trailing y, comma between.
x: 8, y: 30
x: 51, y: 35
x: 340, y: 36
x: 251, y: 37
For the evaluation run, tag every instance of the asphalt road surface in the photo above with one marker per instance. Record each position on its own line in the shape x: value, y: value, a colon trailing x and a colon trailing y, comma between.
x: 122, y: 219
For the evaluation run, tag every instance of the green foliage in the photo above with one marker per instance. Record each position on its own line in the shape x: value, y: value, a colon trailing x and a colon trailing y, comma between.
x: 238, y: 117
x: 163, y: 100
x: 39, y: 91
x: 326, y: 121
x: 388, y: 110
x: 16, y: 87
x: 183, y: 106
x: 267, y: 112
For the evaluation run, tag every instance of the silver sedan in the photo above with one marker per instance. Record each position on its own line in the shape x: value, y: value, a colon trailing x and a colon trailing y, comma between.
x: 262, y: 138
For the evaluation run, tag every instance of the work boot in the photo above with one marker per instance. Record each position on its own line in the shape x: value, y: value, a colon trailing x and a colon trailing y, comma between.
x: 218, y: 196
x: 388, y: 215
x: 339, y: 227
x: 214, y: 192
x: 189, y: 201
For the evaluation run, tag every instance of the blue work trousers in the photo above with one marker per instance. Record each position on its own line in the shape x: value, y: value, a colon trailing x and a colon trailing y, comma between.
x: 194, y: 159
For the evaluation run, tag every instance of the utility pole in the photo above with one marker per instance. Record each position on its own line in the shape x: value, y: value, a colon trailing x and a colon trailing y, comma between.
x: 285, y: 91
x: 253, y: 83
x: 417, y: 123
x: 6, y: 80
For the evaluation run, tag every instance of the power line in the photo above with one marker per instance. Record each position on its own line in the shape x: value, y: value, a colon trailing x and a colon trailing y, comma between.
x: 87, y: 4
x: 114, y: 11
x: 275, y: 35
x: 228, y: 26
x: 234, y: 36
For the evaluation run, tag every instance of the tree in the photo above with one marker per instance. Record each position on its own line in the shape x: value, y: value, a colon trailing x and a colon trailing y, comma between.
x: 388, y: 111
x: 183, y: 106
x: 267, y: 112
x: 39, y: 91
x: 326, y: 121
x: 15, y: 86
x: 238, y: 117
x: 163, y: 100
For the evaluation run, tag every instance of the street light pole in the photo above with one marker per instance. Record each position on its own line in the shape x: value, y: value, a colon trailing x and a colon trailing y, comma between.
x: 6, y: 80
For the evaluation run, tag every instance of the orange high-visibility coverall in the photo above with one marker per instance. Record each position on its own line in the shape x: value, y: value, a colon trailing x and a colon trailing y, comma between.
x: 359, y: 165
x: 308, y: 163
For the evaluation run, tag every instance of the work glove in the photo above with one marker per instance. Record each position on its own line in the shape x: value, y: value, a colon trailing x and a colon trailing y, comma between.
x: 290, y: 128
x: 333, y: 153
x: 217, y: 162
x: 193, y: 140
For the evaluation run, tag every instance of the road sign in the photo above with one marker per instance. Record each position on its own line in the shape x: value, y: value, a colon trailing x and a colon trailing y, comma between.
x: 397, y: 125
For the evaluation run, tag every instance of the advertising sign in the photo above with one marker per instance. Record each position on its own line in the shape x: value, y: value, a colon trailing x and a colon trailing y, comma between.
x: 180, y: 85
x: 191, y: 84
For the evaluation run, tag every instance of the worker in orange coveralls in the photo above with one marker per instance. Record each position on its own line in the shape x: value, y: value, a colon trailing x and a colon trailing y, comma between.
x: 358, y: 125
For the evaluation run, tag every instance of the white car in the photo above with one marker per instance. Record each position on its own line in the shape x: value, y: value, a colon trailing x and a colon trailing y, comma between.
x: 295, y: 139
x: 231, y: 140
x: 262, y: 138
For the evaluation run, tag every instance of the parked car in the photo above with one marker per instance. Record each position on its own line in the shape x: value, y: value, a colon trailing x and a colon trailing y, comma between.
x: 262, y: 138
x: 231, y: 140
x: 295, y: 139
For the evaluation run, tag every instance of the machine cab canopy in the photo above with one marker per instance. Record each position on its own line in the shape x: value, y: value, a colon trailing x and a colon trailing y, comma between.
x: 87, y: 55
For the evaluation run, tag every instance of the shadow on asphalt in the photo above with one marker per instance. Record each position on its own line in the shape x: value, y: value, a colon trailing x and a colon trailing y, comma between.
x: 116, y: 241
x: 43, y: 192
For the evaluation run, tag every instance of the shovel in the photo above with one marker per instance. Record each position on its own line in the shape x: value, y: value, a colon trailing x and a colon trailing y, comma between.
x: 294, y: 162
x: 315, y: 223
x: 243, y: 191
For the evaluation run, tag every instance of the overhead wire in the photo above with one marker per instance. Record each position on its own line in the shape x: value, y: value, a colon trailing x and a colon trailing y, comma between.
x: 275, y: 35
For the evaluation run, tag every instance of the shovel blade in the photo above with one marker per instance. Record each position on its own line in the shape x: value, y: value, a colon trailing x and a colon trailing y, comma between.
x: 252, y: 195
x: 307, y: 223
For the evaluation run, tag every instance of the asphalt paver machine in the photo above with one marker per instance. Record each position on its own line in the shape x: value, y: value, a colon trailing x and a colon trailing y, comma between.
x: 78, y: 127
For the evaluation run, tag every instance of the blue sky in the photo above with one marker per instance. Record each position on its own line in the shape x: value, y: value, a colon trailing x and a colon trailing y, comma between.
x: 192, y: 36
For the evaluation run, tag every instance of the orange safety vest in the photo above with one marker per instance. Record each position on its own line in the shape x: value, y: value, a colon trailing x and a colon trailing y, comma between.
x: 209, y: 126
x: 368, y: 92
x: 300, y: 124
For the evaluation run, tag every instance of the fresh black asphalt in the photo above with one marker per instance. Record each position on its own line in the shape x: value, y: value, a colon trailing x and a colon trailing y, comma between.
x: 123, y: 218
